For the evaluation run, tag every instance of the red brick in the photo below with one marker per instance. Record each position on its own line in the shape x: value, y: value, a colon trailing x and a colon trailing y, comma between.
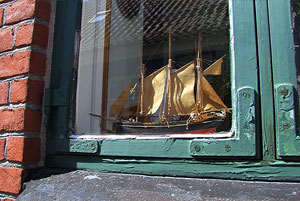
x: 2, y: 149
x: 20, y: 120
x: 24, y: 34
x: 13, y: 121
x: 7, y: 37
x: 23, y: 150
x: 15, y: 64
x: 34, y: 34
x: 22, y: 62
x: 10, y: 180
x: 33, y: 120
x: 38, y: 63
x: 15, y: 149
x: 43, y: 10
x: 40, y: 35
x: 1, y: 16
x: 35, y: 92
x: 19, y: 91
x: 26, y: 9
x: 20, y: 10
x: 4, y: 87
x: 7, y: 199
x: 30, y: 91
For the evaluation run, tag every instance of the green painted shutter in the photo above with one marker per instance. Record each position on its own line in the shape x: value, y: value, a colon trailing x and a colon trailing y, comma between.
x: 58, y: 95
x: 284, y: 78
x: 265, y: 83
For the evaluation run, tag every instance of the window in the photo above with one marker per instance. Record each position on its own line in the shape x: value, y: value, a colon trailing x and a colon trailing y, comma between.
x: 154, y: 67
x: 104, y: 49
x: 131, y: 42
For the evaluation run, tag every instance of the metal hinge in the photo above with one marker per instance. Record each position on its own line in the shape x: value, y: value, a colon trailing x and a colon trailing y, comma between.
x: 54, y: 98
x: 285, y: 120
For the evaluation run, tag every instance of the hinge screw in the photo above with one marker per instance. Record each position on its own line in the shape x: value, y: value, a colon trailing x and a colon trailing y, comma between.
x: 246, y: 95
x: 93, y: 146
x: 286, y: 126
x: 197, y: 148
x: 227, y: 148
x: 247, y: 127
x: 284, y: 92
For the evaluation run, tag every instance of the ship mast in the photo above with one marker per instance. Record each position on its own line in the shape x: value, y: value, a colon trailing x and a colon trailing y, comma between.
x: 199, y: 91
x: 167, y: 95
x: 142, y: 74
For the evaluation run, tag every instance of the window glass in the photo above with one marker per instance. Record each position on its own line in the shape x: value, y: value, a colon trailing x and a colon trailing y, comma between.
x: 154, y: 67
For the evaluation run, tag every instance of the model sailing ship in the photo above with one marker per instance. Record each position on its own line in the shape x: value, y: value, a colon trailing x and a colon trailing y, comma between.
x: 182, y: 101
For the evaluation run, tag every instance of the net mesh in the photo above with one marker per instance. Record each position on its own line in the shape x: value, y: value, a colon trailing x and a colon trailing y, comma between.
x: 186, y: 17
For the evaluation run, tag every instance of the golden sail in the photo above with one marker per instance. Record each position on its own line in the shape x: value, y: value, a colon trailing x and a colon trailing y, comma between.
x: 211, y: 101
x: 154, y: 85
x: 182, y: 90
x: 215, y: 68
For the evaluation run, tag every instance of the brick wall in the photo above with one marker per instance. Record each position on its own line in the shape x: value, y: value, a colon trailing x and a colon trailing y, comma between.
x: 23, y: 47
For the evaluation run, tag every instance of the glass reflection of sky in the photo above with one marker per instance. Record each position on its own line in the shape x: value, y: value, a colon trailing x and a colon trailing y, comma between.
x: 98, y: 17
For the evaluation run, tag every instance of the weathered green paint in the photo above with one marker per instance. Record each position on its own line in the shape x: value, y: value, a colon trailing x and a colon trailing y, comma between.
x: 284, y: 77
x: 242, y: 49
x: 56, y: 97
x: 61, y: 73
x: 265, y: 80
x: 244, y: 76
x: 275, y: 171
x: 167, y: 148
x: 288, y: 144
x: 243, y: 45
x: 244, y: 142
x: 83, y: 146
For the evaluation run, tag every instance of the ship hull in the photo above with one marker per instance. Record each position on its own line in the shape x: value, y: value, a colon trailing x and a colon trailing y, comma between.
x: 205, y: 127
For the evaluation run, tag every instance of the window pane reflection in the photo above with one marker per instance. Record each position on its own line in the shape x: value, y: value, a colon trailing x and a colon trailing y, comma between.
x: 154, y: 67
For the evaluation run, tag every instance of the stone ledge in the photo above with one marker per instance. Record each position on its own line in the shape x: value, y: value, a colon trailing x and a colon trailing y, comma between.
x: 85, y: 185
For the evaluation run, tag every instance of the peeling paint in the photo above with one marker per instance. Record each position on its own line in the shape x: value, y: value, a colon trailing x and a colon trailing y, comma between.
x: 168, y: 144
x: 292, y: 115
x: 288, y: 144
x: 270, y: 171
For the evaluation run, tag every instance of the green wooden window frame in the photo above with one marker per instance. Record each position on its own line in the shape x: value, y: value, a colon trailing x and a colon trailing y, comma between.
x: 247, y: 152
x: 285, y: 84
